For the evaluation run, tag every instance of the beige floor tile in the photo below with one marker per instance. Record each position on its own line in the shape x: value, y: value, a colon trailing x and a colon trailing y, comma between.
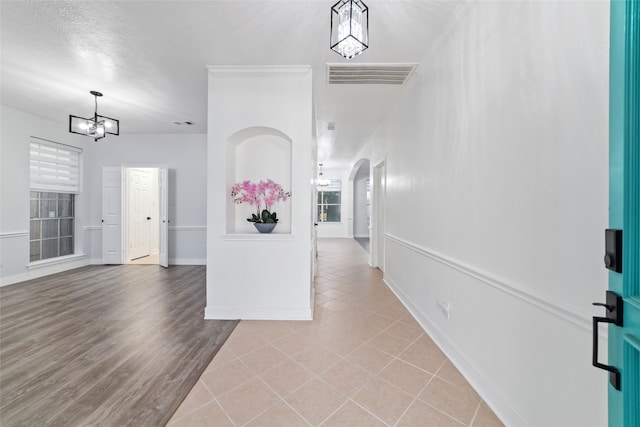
x: 364, y: 341
x: 341, y: 344
x: 207, y: 415
x: 404, y: 330
x: 263, y: 358
x: 362, y: 331
x: 341, y: 320
x: 407, y: 377
x: 286, y: 377
x: 424, y: 354
x: 370, y: 358
x: 279, y: 415
x: 293, y: 344
x: 394, y: 311
x: 226, y: 377
x: 384, y: 400
x: 317, y: 359
x: 268, y: 330
x: 389, y: 343
x: 198, y: 396
x: 346, y: 377
x: 456, y: 401
x: 352, y: 415
x: 242, y: 342
x: 316, y: 401
x: 247, y: 401
x: 486, y: 418
x: 422, y: 415
x: 223, y: 356
x: 449, y: 373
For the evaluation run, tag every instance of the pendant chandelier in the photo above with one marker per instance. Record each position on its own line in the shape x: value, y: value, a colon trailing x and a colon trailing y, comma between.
x: 349, y: 27
x: 322, y: 182
x: 96, y: 127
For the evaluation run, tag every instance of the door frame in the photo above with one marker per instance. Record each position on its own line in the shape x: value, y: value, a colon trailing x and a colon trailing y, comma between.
x: 163, y: 240
x: 378, y: 191
x: 624, y: 207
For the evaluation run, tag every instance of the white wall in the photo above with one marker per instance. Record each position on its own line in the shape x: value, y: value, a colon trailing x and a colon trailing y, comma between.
x: 185, y: 155
x: 497, y: 178
x: 252, y: 275
x: 16, y: 131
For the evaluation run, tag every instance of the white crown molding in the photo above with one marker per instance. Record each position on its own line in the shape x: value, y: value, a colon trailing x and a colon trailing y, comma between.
x: 259, y: 71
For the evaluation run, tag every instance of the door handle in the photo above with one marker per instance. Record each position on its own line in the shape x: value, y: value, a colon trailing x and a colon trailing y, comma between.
x: 148, y: 218
x: 614, y: 306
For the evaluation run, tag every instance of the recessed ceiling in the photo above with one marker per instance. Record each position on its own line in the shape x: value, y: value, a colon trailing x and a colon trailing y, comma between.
x: 149, y: 59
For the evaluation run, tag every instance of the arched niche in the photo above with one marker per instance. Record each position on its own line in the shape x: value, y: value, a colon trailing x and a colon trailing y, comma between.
x: 258, y: 153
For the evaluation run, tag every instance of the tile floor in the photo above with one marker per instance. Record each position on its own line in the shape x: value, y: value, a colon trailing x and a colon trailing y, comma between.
x: 362, y: 361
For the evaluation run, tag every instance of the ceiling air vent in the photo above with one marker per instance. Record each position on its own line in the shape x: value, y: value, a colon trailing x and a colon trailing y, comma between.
x: 369, y: 74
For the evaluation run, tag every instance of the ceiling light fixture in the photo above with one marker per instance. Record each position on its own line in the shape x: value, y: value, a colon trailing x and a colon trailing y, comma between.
x: 349, y: 28
x: 322, y: 182
x: 96, y: 127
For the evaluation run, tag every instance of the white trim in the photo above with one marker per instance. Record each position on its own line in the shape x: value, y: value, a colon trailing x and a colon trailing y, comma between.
x: 171, y: 228
x: 581, y: 319
x: 507, y: 414
x: 187, y: 228
x: 12, y: 234
x: 69, y: 263
x: 258, y: 71
x: 187, y: 261
x: 54, y: 261
x: 258, y: 313
x: 257, y: 236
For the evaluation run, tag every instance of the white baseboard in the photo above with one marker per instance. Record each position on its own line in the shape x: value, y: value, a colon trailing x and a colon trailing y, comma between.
x: 258, y: 313
x: 187, y: 261
x: 44, y: 271
x: 507, y: 414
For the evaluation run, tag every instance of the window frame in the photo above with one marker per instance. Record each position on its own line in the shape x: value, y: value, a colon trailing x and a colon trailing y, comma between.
x: 335, y: 186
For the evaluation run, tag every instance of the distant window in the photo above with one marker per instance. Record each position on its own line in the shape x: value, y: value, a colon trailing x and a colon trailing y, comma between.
x: 54, y: 181
x: 329, y: 201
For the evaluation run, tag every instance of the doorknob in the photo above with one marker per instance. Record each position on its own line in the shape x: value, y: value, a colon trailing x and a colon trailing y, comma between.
x: 614, y: 306
x: 148, y: 218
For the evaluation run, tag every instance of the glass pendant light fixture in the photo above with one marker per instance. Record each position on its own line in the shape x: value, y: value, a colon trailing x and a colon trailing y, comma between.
x: 96, y: 127
x: 322, y: 182
x: 349, y: 27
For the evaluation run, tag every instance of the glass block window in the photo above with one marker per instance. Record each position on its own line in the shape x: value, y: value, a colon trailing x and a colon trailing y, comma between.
x: 51, y: 225
x: 330, y: 201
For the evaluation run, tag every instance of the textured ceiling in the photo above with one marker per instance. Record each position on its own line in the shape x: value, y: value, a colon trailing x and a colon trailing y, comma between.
x: 148, y: 58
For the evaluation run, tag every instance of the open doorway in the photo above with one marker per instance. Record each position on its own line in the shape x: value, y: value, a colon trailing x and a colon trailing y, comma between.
x: 362, y: 204
x: 142, y: 215
x: 134, y: 224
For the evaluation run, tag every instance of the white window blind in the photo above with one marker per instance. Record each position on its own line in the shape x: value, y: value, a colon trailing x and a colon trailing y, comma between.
x: 54, y: 167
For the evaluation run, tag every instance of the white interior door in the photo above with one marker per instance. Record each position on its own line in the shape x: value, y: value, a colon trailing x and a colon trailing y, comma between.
x: 163, y: 205
x: 139, y: 193
x: 112, y: 215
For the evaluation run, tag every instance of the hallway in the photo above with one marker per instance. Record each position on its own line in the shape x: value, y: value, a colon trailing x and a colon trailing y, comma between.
x: 362, y: 361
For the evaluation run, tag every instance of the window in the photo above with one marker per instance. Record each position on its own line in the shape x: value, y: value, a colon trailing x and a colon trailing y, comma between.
x: 329, y: 201
x: 54, y: 172
x: 51, y: 225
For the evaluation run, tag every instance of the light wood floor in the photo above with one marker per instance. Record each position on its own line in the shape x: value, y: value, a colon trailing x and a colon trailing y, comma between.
x: 104, y: 345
